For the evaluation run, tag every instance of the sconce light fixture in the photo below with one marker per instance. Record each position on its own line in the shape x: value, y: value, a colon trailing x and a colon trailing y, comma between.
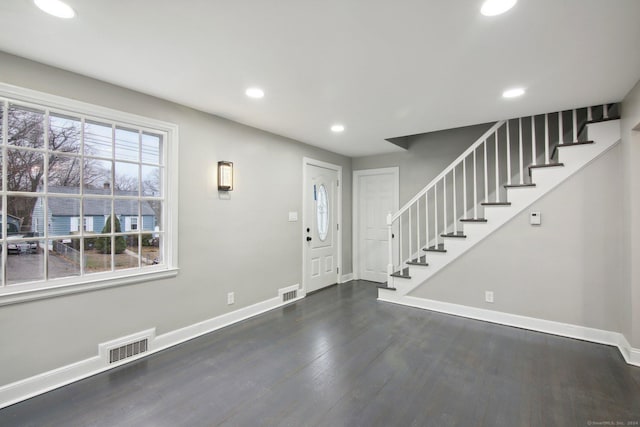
x: 225, y: 176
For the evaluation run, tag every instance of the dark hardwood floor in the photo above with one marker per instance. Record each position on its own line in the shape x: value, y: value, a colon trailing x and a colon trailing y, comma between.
x: 340, y: 358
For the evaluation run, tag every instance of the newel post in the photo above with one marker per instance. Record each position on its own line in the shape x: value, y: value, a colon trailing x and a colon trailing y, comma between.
x: 390, y: 236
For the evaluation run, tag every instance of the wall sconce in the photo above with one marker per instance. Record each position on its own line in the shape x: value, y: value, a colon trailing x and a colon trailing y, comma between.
x: 225, y: 176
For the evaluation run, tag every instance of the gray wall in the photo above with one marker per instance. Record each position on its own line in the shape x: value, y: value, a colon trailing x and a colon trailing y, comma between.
x: 567, y: 270
x: 225, y: 245
x: 427, y: 155
x: 631, y: 189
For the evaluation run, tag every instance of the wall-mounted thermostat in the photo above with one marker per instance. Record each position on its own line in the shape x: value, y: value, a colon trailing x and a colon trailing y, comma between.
x: 535, y: 218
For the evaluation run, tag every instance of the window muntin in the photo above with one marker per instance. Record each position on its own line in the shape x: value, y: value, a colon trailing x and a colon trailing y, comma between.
x: 45, y: 156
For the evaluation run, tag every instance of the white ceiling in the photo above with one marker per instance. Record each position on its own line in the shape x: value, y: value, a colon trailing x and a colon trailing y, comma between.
x: 383, y: 68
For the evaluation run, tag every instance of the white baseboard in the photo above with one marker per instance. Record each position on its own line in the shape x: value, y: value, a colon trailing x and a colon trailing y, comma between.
x: 631, y: 355
x: 50, y: 380
x: 346, y: 278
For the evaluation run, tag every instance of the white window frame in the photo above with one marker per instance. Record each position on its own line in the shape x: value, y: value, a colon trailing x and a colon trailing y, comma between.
x: 11, y: 294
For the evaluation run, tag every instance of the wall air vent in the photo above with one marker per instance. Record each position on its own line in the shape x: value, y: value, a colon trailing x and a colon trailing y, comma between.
x: 128, y: 350
x: 288, y: 296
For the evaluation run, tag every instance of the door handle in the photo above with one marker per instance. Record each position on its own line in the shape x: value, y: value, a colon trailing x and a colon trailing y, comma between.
x: 308, y: 239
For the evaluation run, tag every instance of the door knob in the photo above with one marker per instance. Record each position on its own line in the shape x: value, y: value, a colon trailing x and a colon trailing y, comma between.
x: 308, y: 239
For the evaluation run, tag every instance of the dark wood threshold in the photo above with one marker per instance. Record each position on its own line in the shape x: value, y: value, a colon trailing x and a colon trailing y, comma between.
x: 496, y: 203
x: 519, y: 185
x: 568, y: 144
x: 459, y: 234
x: 473, y: 220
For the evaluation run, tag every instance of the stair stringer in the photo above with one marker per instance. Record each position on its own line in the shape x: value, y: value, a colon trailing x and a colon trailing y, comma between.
x: 605, y: 136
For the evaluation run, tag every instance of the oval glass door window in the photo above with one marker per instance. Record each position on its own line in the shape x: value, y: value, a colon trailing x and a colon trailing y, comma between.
x: 322, y: 213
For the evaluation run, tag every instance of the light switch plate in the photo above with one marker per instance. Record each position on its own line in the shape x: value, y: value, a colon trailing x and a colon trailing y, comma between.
x: 293, y: 216
x: 535, y: 218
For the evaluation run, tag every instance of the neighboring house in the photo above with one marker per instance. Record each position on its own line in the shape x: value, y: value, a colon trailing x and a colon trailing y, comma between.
x: 13, y: 222
x: 63, y: 216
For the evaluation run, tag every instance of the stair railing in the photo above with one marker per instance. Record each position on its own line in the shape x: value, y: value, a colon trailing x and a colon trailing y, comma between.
x: 478, y: 177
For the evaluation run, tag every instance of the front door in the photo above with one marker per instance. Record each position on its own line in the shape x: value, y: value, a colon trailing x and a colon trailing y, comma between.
x: 320, y: 226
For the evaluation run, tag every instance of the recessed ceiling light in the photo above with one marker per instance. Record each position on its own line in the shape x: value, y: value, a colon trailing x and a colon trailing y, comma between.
x: 254, y: 92
x: 56, y: 8
x: 496, y: 7
x: 513, y: 93
x: 337, y: 128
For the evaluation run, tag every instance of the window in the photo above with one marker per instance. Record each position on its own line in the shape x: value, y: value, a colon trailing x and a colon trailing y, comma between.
x: 68, y: 177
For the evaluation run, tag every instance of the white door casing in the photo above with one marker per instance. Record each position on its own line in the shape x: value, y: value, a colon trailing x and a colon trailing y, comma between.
x: 320, y: 224
x: 375, y: 195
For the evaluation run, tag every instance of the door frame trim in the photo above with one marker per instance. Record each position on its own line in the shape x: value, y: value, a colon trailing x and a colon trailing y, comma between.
x: 355, y: 228
x: 313, y: 162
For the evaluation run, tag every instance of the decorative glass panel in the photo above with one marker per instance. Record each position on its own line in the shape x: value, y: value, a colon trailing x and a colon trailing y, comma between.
x: 322, y: 213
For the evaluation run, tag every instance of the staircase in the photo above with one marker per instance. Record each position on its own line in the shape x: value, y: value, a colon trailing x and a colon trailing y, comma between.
x: 512, y: 165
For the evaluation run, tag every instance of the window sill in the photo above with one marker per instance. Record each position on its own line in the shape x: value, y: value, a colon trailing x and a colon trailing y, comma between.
x: 15, y: 295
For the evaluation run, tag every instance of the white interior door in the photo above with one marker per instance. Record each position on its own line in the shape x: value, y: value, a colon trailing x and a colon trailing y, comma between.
x: 376, y: 195
x: 320, y: 227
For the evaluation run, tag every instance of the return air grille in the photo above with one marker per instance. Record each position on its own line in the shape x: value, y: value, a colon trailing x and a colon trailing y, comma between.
x: 128, y: 350
x: 288, y: 296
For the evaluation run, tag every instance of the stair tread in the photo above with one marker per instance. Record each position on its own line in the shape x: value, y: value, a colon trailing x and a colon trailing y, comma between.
x: 422, y: 261
x: 545, y: 165
x: 590, y: 122
x: 439, y: 248
x: 459, y: 234
x: 496, y: 203
x: 384, y: 286
x: 403, y: 274
x: 568, y: 144
x: 473, y: 220
x: 519, y: 185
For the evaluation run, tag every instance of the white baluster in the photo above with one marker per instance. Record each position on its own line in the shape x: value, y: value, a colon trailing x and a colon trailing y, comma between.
x: 486, y: 174
x: 435, y: 214
x: 400, y: 259
x: 533, y: 141
x: 520, y: 151
x: 497, y: 170
x: 418, y: 227
x: 575, y: 125
x: 508, y: 154
x: 444, y: 204
x: 390, y: 253
x: 475, y: 187
x: 464, y: 186
x: 426, y: 216
x: 455, y: 214
x: 605, y: 112
x: 589, y: 114
x: 546, y: 139
x: 410, y: 235
x: 560, y: 129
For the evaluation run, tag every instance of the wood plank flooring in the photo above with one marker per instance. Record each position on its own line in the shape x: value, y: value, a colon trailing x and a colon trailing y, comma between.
x: 341, y: 358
